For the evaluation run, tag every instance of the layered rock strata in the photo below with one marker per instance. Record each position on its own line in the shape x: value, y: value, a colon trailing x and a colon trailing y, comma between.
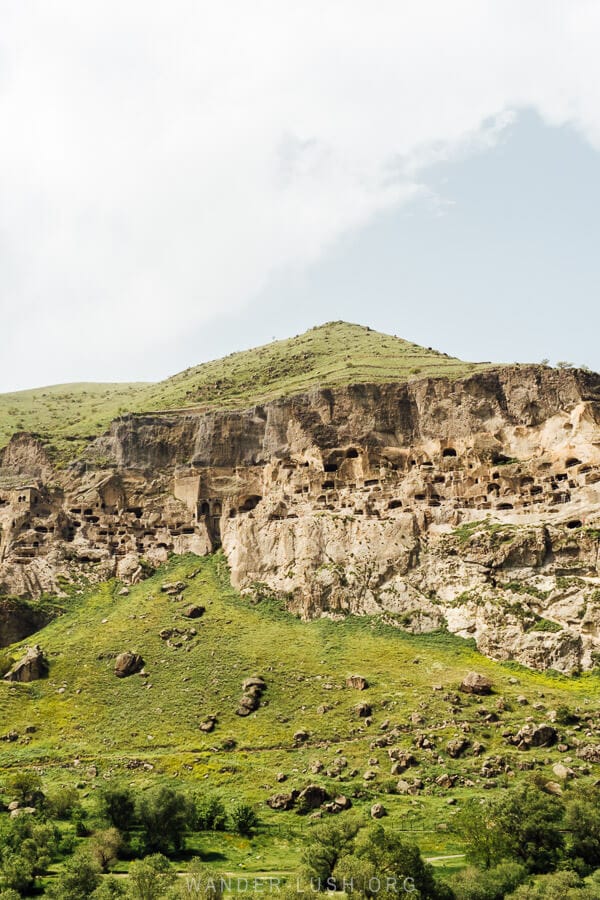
x: 472, y: 505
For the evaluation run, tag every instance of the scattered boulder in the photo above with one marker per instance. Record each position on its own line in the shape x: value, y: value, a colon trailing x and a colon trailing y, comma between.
x: 363, y: 710
x: 208, y: 724
x: 475, y: 683
x: 30, y: 667
x: 193, y: 612
x: 446, y: 780
x: 378, y: 811
x: 456, y: 747
x: 357, y: 682
x: 283, y: 801
x: 562, y: 772
x: 535, y: 736
x: 301, y: 736
x: 552, y: 787
x: 589, y: 753
x: 128, y: 663
x: 253, y: 689
x: 312, y: 797
x: 173, y: 587
x: 338, y: 805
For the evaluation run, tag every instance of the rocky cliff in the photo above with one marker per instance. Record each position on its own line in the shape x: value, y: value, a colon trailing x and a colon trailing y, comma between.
x: 468, y: 504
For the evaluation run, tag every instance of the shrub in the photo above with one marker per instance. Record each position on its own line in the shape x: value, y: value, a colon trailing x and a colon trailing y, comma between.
x: 488, y: 884
x: 210, y: 814
x: 558, y: 886
x: 150, y: 878
x: 25, y: 786
x: 244, y: 819
x: 62, y: 802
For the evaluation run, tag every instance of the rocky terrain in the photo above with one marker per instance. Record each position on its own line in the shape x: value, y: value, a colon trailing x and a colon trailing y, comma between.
x: 469, y: 504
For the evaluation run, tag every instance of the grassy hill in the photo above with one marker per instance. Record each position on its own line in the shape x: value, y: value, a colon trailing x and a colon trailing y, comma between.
x: 333, y: 354
x: 84, y: 716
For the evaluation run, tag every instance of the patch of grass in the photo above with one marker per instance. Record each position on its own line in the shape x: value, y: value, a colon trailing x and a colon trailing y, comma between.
x: 144, y: 730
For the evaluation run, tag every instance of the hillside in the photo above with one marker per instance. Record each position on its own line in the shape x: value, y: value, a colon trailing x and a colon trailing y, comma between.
x: 83, y: 726
x: 334, y: 354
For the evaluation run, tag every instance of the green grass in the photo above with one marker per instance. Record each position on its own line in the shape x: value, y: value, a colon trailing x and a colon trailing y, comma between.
x: 334, y: 354
x: 101, y: 720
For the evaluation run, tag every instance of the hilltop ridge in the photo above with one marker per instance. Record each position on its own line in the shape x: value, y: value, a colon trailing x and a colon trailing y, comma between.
x: 333, y: 354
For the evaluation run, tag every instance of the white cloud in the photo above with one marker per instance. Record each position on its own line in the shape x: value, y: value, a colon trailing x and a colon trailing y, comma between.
x: 159, y: 161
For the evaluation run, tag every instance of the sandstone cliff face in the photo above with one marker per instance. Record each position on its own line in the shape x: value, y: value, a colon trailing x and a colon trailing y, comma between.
x: 471, y: 505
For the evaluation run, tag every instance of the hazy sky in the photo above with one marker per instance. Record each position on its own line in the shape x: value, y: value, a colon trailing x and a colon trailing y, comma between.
x: 179, y: 180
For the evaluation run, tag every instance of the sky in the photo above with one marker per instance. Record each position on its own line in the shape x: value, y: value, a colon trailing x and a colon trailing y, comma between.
x: 182, y: 180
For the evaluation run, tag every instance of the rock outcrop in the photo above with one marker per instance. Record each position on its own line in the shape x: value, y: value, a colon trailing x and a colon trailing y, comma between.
x: 30, y: 667
x: 471, y: 505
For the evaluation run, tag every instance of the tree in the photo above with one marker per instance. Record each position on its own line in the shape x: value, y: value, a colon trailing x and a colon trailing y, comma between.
x: 326, y: 845
x: 108, y: 889
x: 582, y: 820
x: 523, y: 826
x: 9, y: 894
x: 25, y: 786
x: 105, y: 846
x: 488, y: 884
x: 78, y: 880
x: 62, y: 802
x: 558, y: 886
x: 149, y: 878
x: 485, y: 842
x: 16, y: 873
x: 164, y: 815
x: 202, y: 883
x: 244, y: 819
x: 117, y: 805
x: 383, y: 865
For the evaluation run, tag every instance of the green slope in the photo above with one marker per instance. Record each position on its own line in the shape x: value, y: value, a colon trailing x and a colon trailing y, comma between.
x: 334, y: 354
x: 83, y: 712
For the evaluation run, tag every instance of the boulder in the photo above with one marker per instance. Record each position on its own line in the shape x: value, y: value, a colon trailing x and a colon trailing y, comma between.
x: 552, y: 787
x: 312, y: 797
x: 30, y: 667
x: 283, y: 801
x: 456, y: 747
x: 208, y: 724
x: 475, y: 683
x: 193, y: 612
x: 535, y: 736
x: 562, y: 772
x: 378, y: 811
x: 173, y: 587
x: 357, y: 682
x: 128, y: 663
x: 363, y: 710
x: 589, y: 753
